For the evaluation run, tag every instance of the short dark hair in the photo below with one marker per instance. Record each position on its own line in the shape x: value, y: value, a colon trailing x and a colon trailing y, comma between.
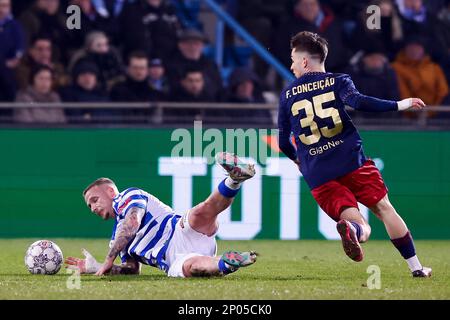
x: 311, y: 43
x: 190, y: 69
x: 37, y: 69
x: 40, y: 37
x: 137, y: 55
x: 98, y: 182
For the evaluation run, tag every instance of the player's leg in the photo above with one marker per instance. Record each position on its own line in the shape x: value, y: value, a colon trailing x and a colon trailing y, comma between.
x: 340, y: 204
x: 359, y: 225
x: 400, y: 236
x: 202, y: 218
x: 369, y: 188
x: 229, y: 262
x: 394, y: 224
x: 353, y: 229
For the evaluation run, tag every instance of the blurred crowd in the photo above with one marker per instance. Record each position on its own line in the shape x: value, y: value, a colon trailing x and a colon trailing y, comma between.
x: 142, y: 50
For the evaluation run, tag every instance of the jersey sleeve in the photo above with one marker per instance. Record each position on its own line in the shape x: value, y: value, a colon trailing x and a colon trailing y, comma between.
x: 124, y: 256
x: 131, y: 198
x: 351, y: 97
x: 284, y: 130
x: 157, y: 207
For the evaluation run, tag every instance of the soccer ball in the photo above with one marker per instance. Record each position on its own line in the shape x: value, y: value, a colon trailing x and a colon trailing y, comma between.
x: 43, y: 257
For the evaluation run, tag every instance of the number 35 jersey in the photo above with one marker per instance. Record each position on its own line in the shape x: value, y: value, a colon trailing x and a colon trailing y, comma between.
x: 313, y: 108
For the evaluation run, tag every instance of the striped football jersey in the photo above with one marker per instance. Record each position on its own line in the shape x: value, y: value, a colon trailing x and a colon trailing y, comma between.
x: 155, y: 232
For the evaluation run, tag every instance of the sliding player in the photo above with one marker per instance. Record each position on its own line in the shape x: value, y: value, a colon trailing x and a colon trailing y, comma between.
x: 147, y: 231
x: 329, y: 149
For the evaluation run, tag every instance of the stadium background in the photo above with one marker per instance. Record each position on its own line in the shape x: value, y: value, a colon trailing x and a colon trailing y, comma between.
x: 44, y: 165
x: 44, y: 171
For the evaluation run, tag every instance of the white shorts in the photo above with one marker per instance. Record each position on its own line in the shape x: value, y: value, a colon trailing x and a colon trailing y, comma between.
x: 187, y: 243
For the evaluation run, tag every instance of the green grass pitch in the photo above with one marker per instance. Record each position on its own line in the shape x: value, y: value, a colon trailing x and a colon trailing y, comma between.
x: 285, y: 270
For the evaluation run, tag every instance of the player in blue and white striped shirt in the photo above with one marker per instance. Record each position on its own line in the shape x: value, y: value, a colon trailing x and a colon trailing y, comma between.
x: 146, y: 231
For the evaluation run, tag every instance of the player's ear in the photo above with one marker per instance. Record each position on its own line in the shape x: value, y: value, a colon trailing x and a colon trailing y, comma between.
x: 305, y: 62
x: 110, y: 190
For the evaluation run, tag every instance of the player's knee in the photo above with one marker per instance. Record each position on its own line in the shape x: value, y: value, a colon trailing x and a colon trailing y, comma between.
x: 198, y: 268
x: 190, y: 267
x: 383, y: 208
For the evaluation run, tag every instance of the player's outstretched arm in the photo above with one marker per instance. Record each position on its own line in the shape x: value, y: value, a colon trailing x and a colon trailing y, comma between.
x: 89, y: 265
x: 124, y: 234
x: 351, y: 97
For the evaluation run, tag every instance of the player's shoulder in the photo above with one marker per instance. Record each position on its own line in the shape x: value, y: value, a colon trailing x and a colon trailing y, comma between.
x: 286, y: 89
x: 129, y: 197
x: 342, y: 77
x: 285, y: 93
x: 130, y: 192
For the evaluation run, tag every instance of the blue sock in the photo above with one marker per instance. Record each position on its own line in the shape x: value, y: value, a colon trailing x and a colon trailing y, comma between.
x: 405, y: 245
x: 227, y: 191
x: 358, y: 229
x: 225, y: 268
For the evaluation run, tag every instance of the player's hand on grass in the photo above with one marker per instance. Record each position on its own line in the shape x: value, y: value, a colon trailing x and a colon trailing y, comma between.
x: 410, y: 103
x: 105, y: 267
x: 88, y: 265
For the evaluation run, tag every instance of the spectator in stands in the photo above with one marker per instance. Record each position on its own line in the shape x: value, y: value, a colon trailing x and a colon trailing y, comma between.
x: 85, y: 86
x: 387, y: 37
x: 309, y: 15
x: 44, y: 17
x: 150, y: 26
x: 12, y: 47
x: 107, y: 17
x: 416, y: 19
x: 373, y: 75
x: 157, y: 77
x: 98, y: 51
x: 244, y: 87
x: 40, y: 91
x: 89, y: 22
x: 190, y: 56
x: 418, y: 75
x: 136, y: 87
x: 261, y: 18
x: 192, y: 88
x: 40, y: 53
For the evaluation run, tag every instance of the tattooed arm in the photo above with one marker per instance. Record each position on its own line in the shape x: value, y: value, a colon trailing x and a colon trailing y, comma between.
x: 129, y: 267
x: 90, y: 266
x: 124, y: 234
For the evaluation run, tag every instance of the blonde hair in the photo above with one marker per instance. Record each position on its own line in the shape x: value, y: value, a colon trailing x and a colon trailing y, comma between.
x: 93, y: 36
x: 99, y: 182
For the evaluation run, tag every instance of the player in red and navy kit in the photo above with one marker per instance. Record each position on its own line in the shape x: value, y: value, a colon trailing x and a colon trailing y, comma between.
x: 329, y: 149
